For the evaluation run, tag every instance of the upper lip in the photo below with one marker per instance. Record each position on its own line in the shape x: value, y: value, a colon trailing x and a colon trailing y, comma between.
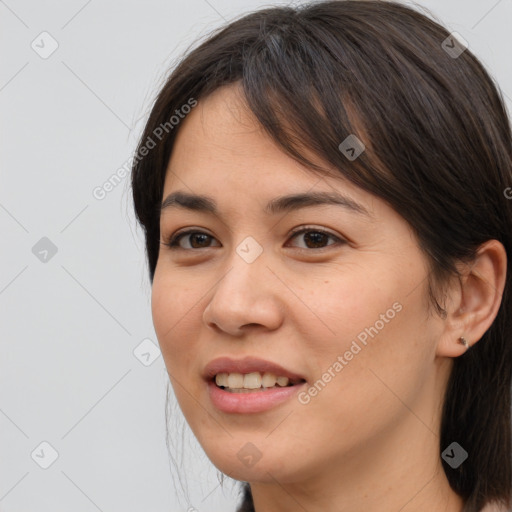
x: 248, y: 365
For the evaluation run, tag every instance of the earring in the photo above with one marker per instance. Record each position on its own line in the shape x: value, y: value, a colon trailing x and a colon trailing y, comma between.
x: 464, y: 341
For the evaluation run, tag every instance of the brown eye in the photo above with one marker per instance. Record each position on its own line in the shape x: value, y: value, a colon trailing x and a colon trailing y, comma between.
x: 196, y: 239
x: 315, y: 238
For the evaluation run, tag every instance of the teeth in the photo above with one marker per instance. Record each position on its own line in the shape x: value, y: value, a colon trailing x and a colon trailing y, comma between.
x: 269, y: 380
x: 254, y: 380
x: 221, y: 379
x: 282, y: 381
x: 235, y: 380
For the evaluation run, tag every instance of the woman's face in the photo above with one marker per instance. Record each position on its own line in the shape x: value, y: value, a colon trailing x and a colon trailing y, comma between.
x: 341, y: 307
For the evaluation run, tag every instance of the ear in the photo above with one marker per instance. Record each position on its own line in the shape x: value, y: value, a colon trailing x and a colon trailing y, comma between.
x: 474, y: 300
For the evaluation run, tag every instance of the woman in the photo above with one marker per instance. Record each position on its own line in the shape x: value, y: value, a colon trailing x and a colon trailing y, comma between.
x: 323, y: 194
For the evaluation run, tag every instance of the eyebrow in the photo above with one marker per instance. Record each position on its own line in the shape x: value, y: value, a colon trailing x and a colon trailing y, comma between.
x: 201, y: 203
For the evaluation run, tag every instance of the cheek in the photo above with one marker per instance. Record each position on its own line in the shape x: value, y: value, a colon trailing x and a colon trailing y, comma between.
x: 172, y: 309
x: 173, y: 318
x: 354, y: 304
x: 371, y: 332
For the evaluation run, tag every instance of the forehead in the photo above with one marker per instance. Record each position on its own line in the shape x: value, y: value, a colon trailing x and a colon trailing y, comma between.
x: 222, y: 137
x: 221, y: 151
x: 221, y: 129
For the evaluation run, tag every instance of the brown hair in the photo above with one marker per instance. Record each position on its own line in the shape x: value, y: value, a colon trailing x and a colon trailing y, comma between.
x: 438, y: 150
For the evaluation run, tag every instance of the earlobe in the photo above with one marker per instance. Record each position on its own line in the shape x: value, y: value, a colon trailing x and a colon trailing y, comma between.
x: 479, y: 293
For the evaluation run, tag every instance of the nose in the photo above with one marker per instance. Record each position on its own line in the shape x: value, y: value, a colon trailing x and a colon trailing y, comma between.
x: 246, y: 297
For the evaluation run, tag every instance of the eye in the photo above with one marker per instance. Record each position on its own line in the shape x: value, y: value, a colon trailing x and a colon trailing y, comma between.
x: 315, y: 239
x: 196, y: 238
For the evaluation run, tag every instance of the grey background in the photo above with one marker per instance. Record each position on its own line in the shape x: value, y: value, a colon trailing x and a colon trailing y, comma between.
x: 71, y: 321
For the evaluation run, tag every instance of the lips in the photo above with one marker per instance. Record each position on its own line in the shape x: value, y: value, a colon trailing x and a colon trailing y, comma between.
x: 248, y: 365
x: 250, y: 401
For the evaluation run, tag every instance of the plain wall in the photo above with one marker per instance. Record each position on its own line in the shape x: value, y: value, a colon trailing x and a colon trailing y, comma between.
x: 72, y: 321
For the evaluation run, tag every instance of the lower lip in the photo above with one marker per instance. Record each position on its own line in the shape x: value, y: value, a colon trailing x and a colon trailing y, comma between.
x: 257, y: 401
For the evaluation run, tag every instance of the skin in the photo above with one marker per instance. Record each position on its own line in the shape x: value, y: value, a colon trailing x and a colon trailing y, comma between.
x: 369, y: 440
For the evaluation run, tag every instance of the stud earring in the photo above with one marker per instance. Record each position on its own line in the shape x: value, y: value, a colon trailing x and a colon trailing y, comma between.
x: 464, y: 341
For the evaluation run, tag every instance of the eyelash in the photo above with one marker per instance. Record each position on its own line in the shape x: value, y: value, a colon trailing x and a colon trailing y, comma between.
x: 172, y: 241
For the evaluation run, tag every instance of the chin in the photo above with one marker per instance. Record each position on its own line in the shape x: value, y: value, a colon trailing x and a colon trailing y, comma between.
x: 242, y: 460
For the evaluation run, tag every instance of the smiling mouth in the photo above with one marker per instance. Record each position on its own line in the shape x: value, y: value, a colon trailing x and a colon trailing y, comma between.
x: 254, y: 382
